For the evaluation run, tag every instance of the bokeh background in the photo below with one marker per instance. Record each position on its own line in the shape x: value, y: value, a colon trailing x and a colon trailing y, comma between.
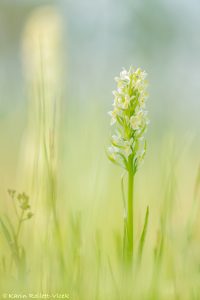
x: 73, y: 50
x: 98, y: 38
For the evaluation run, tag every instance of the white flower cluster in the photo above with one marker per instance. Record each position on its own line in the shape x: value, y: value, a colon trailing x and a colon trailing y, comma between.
x: 129, y: 118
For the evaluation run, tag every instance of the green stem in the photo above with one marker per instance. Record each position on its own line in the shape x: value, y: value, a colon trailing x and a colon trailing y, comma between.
x: 130, y: 217
x: 16, y: 240
x: 19, y: 226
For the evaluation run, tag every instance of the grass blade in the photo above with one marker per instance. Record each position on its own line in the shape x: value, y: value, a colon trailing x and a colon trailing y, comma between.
x: 143, y: 235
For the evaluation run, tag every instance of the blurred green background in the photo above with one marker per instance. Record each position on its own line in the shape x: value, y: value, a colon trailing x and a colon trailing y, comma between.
x: 58, y: 62
x: 98, y: 38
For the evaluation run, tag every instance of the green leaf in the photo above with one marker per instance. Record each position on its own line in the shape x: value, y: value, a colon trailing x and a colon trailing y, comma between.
x: 10, y: 239
x: 6, y: 233
x: 12, y: 230
x: 125, y: 163
x: 143, y: 235
x: 114, y: 161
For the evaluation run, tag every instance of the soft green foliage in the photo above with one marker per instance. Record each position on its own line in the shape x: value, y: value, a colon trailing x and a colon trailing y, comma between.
x: 143, y: 235
x: 74, y: 242
x: 89, y: 213
x: 12, y: 230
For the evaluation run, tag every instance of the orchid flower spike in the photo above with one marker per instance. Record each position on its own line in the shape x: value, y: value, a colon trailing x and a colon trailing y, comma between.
x: 129, y: 120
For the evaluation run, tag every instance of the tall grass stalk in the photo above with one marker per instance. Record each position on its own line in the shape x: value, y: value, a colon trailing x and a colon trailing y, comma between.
x: 48, y: 115
x: 43, y: 69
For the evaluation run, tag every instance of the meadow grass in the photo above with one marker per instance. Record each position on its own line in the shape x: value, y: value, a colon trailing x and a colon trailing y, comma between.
x: 79, y: 250
x: 73, y: 243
